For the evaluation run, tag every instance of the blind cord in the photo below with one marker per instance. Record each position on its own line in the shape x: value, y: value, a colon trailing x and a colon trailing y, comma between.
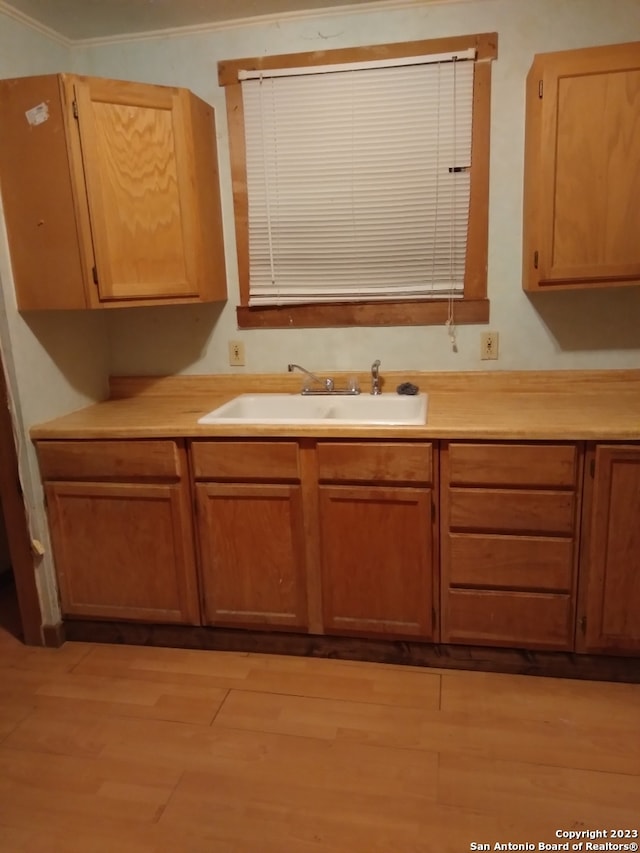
x: 450, y: 323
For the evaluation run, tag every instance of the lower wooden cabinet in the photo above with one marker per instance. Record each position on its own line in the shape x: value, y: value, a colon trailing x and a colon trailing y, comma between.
x: 251, y: 533
x: 332, y: 537
x: 378, y: 580
x: 509, y: 543
x: 478, y: 544
x: 121, y: 531
x: 609, y: 618
x: 376, y: 543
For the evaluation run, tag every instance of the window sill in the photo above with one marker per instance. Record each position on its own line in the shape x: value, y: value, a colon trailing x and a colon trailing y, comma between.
x: 334, y: 314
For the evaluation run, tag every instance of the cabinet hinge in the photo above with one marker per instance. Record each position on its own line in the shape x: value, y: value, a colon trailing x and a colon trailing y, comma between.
x: 535, y: 259
x: 540, y: 88
x: 592, y: 468
x: 74, y: 107
x: 94, y: 272
x: 583, y: 624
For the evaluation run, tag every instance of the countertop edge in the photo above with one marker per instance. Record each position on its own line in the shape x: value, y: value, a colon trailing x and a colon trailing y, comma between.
x: 578, y: 406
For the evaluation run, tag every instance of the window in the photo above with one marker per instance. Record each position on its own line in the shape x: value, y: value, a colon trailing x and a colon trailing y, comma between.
x: 361, y: 184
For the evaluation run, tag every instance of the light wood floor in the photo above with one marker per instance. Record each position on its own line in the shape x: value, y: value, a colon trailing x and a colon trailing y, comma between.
x: 127, y: 749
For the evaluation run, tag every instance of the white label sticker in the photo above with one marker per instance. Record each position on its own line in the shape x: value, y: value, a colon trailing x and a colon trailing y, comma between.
x: 37, y: 115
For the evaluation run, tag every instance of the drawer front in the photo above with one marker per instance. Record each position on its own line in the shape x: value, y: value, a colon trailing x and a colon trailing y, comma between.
x: 513, y: 465
x: 508, y: 511
x: 521, y: 620
x: 245, y: 460
x: 511, y: 562
x: 356, y: 462
x: 108, y: 460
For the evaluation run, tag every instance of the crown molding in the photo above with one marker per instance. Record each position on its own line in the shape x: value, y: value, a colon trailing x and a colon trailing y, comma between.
x: 33, y: 24
x: 255, y: 20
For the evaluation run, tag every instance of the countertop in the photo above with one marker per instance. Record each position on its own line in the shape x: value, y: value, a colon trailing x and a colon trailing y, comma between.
x: 549, y: 405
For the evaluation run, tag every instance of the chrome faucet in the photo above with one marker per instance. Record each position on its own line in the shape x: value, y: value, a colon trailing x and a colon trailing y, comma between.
x: 375, y: 377
x: 326, y: 383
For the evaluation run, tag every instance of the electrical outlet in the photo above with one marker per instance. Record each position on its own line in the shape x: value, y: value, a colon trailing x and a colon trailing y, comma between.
x: 236, y: 353
x: 488, y: 345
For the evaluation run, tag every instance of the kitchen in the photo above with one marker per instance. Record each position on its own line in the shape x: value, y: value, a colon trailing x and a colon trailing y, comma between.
x: 60, y: 363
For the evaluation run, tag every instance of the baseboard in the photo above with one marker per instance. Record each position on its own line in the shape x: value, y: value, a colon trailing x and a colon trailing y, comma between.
x: 409, y: 653
x: 53, y: 636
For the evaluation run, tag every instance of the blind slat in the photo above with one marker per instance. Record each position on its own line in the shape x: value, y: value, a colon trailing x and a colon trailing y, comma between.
x: 351, y: 193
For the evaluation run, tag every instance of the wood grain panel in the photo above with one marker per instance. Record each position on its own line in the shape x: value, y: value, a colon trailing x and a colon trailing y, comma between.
x: 245, y: 460
x: 582, y: 176
x: 375, y: 462
x: 507, y: 510
x: 510, y: 562
x: 135, y: 176
x: 610, y: 563
x: 498, y: 618
x: 340, y: 315
x: 252, y: 552
x: 376, y: 546
x: 512, y: 464
x: 123, y: 551
x: 507, y: 405
x: 204, y: 230
x: 486, y: 45
x: 597, y: 123
x: 96, y: 460
x: 38, y: 196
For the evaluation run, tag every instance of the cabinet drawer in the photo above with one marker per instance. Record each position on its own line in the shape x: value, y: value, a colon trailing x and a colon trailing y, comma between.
x: 383, y: 461
x: 493, y: 618
x: 512, y: 465
x: 508, y: 511
x: 108, y: 460
x: 245, y: 460
x: 511, y: 562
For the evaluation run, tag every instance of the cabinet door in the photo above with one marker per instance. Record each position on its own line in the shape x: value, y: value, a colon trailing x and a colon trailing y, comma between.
x: 123, y: 551
x: 376, y: 557
x: 139, y: 187
x: 610, y: 617
x: 252, y: 554
x: 582, y: 174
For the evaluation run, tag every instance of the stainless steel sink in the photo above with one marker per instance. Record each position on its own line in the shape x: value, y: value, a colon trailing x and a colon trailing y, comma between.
x: 357, y: 410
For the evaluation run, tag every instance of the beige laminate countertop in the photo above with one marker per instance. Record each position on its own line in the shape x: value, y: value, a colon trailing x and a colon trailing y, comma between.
x: 551, y: 405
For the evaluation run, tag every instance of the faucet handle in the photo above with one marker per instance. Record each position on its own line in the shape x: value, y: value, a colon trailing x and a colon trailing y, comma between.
x: 375, y: 377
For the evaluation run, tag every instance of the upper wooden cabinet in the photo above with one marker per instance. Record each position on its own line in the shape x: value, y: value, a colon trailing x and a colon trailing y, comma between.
x: 582, y: 171
x: 111, y: 193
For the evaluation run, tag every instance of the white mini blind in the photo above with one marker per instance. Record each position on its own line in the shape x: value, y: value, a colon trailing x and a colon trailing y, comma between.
x: 358, y: 183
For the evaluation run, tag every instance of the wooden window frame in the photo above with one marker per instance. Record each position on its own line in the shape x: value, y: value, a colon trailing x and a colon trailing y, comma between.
x: 474, y: 306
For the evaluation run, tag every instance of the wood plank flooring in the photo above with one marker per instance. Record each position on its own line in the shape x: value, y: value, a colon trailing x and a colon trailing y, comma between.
x: 135, y: 749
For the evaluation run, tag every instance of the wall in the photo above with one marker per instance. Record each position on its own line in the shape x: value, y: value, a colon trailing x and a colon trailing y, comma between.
x: 54, y: 362
x: 571, y: 330
x: 59, y: 362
